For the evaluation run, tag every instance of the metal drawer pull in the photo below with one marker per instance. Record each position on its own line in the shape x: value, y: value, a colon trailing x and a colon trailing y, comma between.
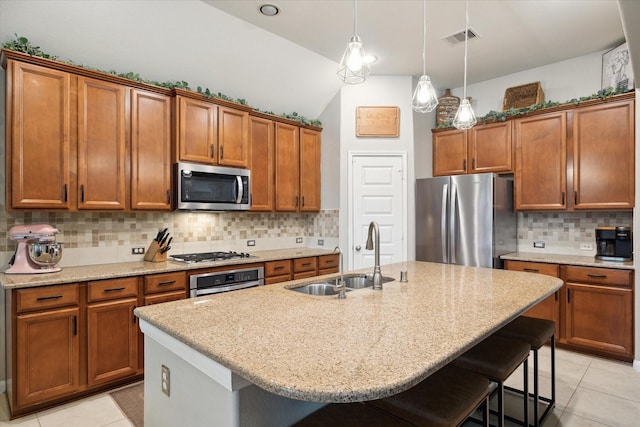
x: 134, y: 316
x: 167, y: 283
x: 531, y: 270
x: 279, y: 267
x: 75, y: 325
x: 114, y: 289
x: 597, y: 276
x: 48, y: 298
x: 306, y: 264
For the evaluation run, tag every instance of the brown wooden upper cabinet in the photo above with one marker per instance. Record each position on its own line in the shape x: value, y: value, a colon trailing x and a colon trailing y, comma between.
x: 297, y: 168
x: 67, y: 146
x: 40, y: 147
x: 150, y: 151
x: 582, y: 158
x: 483, y: 148
x: 211, y: 134
x: 261, y: 163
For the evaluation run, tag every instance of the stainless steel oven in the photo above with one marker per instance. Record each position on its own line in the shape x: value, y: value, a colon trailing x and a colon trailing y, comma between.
x: 224, y: 281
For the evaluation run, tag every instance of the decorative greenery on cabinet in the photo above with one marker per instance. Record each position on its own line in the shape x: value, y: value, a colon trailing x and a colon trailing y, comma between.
x: 22, y: 44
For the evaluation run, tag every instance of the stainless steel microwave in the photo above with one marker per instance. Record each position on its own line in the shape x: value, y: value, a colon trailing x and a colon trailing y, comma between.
x: 211, y: 188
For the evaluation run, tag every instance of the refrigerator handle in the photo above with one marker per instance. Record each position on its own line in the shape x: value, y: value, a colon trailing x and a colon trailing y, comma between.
x: 443, y: 223
x: 453, y: 223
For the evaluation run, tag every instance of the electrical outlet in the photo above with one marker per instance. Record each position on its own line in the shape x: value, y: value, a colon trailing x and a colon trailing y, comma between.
x: 586, y: 246
x: 251, y: 242
x: 165, y: 380
x: 320, y: 242
x: 298, y: 239
x: 137, y: 250
x: 538, y: 244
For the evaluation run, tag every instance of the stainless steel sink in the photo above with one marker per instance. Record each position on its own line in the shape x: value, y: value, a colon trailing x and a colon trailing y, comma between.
x: 360, y: 281
x: 325, y: 288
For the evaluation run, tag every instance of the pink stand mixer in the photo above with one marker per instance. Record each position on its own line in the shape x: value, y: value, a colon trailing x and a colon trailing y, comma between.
x: 37, y: 252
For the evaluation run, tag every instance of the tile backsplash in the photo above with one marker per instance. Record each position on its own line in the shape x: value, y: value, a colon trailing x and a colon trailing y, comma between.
x: 111, y: 235
x: 563, y: 232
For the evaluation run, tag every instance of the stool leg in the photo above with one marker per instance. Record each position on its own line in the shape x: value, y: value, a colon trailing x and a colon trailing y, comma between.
x: 525, y: 366
x: 553, y: 369
x: 536, y: 420
x: 500, y: 404
x: 485, y: 412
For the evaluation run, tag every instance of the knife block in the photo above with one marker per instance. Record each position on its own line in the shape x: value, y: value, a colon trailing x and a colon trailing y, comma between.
x: 153, y: 253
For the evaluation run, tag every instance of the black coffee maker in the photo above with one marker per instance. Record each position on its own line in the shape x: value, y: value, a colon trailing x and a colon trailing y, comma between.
x: 614, y: 243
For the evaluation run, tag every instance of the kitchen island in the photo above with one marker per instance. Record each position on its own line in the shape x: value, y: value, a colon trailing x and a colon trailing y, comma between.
x: 269, y: 356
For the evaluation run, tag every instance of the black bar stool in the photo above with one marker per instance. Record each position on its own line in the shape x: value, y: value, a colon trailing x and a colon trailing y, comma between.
x: 536, y: 332
x: 444, y: 399
x: 497, y: 358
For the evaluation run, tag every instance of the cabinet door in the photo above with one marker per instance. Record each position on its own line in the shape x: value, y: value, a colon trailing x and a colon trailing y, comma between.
x: 541, y: 162
x: 102, y: 110
x: 39, y: 117
x: 287, y: 167
x: 549, y: 308
x: 261, y: 164
x: 600, y: 318
x: 310, y: 147
x: 449, y: 153
x: 197, y: 130
x: 233, y: 137
x: 490, y: 148
x: 604, y: 156
x: 150, y: 151
x: 47, y: 355
x: 112, y: 336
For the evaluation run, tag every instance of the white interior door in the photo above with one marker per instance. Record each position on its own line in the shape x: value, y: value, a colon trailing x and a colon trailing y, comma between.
x: 378, y: 193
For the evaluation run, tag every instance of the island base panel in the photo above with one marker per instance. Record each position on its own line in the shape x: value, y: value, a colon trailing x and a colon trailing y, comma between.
x: 195, y: 399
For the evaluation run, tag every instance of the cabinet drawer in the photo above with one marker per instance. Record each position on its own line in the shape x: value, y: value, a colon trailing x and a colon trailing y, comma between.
x: 304, y: 275
x: 533, y: 267
x: 112, y: 289
x: 165, y: 282
x: 328, y: 261
x: 277, y: 268
x: 604, y: 276
x: 304, y: 264
x: 46, y: 297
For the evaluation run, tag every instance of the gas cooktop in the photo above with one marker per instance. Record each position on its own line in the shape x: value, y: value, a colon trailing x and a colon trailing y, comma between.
x: 209, y: 256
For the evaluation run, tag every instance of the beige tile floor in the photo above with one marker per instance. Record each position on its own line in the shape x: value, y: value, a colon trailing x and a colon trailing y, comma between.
x: 591, y: 392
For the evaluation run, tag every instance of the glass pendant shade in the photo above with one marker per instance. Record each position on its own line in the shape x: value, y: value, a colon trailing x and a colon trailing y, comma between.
x: 353, y: 69
x: 465, y: 117
x: 424, y: 97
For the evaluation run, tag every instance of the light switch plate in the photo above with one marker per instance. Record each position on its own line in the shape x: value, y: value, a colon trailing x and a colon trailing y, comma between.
x: 298, y: 239
x: 538, y: 244
x: 251, y: 242
x: 320, y: 242
x: 165, y: 381
x: 586, y: 246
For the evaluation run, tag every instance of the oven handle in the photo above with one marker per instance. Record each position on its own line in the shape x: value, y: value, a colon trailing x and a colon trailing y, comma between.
x: 240, y: 189
x: 217, y: 289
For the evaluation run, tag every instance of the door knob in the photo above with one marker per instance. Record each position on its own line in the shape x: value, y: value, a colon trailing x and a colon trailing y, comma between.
x: 358, y: 248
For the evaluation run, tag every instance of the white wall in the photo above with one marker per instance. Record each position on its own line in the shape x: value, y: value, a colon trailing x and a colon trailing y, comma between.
x: 560, y: 82
x: 389, y: 91
x: 330, y: 156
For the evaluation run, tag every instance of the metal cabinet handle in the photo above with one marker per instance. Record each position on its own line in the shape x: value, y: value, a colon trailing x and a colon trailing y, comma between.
x: 562, y: 198
x: 49, y: 298
x: 297, y: 198
x: 464, y: 164
x: 213, y: 151
x: 279, y: 267
x: 306, y: 264
x: 168, y: 196
x: 221, y: 151
x: 65, y: 192
x: 75, y: 325
x: 113, y: 290
x: 531, y: 270
x: 303, y: 201
x: 82, y: 193
x: 473, y: 164
x: 568, y: 295
x: 167, y: 283
x: 597, y: 276
x: 133, y: 315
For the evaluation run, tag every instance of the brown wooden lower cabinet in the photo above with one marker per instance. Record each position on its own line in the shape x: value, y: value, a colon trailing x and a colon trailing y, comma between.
x: 277, y: 271
x: 594, y: 308
x: 47, y: 361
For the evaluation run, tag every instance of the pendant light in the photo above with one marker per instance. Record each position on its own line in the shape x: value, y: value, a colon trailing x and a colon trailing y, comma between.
x: 424, y: 98
x: 465, y: 117
x: 353, y: 69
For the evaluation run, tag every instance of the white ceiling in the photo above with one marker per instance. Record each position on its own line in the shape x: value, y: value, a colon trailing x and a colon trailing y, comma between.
x: 515, y: 35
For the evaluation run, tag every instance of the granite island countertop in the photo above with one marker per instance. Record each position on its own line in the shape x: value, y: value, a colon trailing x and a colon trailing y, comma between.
x: 587, y: 261
x: 370, y: 345
x: 139, y: 268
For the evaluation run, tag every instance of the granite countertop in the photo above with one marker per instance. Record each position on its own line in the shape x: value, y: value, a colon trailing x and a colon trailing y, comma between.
x: 588, y: 261
x: 127, y: 269
x: 370, y: 345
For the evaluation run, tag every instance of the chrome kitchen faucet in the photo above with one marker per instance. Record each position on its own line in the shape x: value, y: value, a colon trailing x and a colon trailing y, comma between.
x: 340, y: 283
x: 377, y: 275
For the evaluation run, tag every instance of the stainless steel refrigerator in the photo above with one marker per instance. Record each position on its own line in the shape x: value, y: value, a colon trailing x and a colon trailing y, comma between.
x: 465, y: 219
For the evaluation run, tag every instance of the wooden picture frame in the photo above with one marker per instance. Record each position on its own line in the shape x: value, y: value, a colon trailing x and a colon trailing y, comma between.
x: 383, y: 122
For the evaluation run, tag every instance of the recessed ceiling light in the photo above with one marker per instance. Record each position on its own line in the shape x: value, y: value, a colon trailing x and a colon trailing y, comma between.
x: 269, y: 9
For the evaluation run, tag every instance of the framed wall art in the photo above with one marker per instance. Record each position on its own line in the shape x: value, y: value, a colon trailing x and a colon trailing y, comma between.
x: 616, y: 68
x: 381, y: 122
